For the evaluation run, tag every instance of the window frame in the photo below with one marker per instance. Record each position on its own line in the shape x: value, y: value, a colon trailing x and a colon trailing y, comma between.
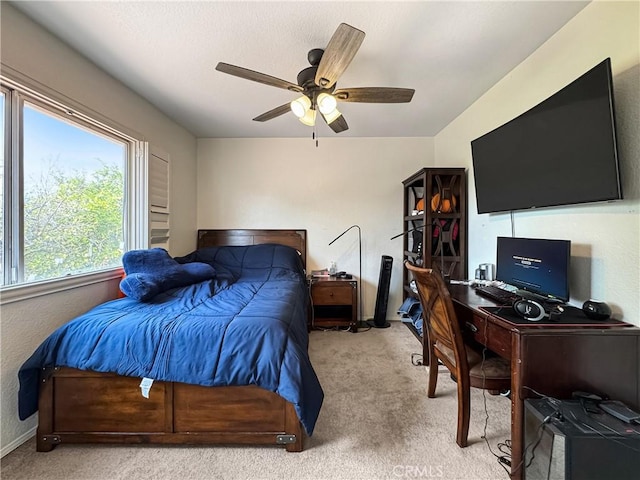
x: 135, y: 216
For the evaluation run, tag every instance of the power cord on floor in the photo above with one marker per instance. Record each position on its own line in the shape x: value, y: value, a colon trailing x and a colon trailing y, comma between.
x: 417, y: 359
x: 505, y: 447
x: 333, y: 329
x: 533, y: 444
x: 504, y: 460
x: 363, y: 327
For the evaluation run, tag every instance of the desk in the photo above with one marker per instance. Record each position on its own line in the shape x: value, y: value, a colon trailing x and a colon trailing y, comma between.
x: 553, y: 360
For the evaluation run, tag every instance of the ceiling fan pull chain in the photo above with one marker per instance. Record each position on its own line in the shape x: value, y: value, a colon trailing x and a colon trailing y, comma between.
x: 314, y: 135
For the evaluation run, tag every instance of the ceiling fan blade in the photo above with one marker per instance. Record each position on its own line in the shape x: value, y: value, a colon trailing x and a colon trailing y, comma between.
x: 338, y: 125
x: 341, y: 49
x: 276, y: 112
x: 257, y: 77
x: 374, y: 95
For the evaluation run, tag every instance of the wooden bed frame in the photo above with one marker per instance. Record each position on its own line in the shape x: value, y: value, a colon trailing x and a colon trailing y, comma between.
x: 78, y: 406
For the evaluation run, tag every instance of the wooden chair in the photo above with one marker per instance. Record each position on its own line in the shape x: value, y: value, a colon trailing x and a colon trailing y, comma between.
x: 444, y: 342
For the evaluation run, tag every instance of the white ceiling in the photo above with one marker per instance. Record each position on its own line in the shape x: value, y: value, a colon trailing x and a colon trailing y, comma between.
x: 450, y: 52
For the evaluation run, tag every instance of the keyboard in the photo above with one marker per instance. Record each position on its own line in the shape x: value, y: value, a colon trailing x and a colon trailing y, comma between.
x: 497, y: 294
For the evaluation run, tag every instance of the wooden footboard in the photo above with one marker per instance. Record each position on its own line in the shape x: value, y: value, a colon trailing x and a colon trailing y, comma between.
x: 89, y: 407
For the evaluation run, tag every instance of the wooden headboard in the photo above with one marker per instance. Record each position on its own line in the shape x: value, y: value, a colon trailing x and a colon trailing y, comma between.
x: 292, y: 238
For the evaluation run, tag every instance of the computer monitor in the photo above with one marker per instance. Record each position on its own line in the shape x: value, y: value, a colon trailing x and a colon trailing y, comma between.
x: 533, y: 265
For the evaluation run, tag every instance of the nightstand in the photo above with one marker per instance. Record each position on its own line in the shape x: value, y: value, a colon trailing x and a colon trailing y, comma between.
x: 334, y: 303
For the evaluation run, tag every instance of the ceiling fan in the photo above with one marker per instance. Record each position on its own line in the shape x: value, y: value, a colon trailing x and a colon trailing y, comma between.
x: 317, y: 83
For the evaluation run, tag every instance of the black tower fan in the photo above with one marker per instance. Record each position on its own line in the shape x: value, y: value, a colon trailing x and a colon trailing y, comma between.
x: 382, y: 297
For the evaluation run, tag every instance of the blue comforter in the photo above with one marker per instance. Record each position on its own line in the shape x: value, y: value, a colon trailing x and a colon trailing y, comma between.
x: 247, y: 326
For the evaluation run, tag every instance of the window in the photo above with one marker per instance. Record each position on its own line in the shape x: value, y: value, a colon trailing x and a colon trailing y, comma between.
x: 68, y: 191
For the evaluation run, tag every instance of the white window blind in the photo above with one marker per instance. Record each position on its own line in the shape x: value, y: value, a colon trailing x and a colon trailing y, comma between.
x: 159, y: 225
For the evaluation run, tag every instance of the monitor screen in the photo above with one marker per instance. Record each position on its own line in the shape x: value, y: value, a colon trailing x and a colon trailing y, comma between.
x: 535, y: 265
x: 563, y: 151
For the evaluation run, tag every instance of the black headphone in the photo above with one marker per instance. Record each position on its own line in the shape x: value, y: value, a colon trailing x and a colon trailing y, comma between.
x: 534, y: 311
x: 529, y: 309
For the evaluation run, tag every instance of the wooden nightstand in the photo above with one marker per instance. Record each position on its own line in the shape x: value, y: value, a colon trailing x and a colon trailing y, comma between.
x: 334, y: 303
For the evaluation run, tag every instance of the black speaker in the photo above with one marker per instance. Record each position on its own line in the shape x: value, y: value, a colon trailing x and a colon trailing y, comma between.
x: 382, y: 297
x: 596, y: 310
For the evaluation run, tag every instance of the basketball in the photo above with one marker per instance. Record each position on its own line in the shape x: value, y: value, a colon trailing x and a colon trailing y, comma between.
x: 444, y: 206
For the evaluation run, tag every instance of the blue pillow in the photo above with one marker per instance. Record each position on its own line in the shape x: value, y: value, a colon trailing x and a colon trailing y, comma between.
x: 150, y: 272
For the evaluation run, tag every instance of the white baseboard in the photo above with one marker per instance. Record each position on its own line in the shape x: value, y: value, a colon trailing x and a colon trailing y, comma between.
x: 17, y: 442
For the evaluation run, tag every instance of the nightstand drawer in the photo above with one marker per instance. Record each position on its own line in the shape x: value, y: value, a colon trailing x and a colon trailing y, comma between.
x: 332, y: 295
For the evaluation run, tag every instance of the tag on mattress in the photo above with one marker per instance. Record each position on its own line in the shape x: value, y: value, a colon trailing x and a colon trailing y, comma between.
x: 145, y: 386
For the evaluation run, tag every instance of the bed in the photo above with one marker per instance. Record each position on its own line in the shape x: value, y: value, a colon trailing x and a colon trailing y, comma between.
x: 258, y: 399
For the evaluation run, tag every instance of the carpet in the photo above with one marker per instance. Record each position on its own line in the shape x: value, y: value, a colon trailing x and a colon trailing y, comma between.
x: 376, y: 423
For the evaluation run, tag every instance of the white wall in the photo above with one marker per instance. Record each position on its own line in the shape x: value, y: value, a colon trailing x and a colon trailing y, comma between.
x: 34, y: 53
x: 289, y: 183
x: 605, y: 237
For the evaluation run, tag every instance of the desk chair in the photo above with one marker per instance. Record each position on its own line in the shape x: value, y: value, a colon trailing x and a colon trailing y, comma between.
x: 445, y: 343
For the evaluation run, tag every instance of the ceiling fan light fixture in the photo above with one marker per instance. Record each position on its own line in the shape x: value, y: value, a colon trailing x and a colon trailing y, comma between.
x: 327, y: 103
x: 301, y: 106
x: 332, y: 116
x: 316, y: 85
x: 309, y: 118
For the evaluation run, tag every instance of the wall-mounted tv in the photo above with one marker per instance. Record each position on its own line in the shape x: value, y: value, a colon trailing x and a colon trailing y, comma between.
x: 563, y: 151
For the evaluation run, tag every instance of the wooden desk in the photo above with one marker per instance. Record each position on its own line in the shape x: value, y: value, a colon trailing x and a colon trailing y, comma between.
x: 553, y: 360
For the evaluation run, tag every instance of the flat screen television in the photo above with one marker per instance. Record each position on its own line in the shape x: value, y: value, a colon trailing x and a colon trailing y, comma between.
x: 535, y: 265
x: 563, y: 151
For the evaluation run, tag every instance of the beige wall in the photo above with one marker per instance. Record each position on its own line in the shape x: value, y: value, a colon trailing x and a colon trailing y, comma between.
x: 605, y: 237
x: 289, y: 183
x: 32, y: 52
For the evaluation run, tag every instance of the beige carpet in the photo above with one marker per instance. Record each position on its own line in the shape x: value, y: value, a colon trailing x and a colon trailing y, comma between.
x: 376, y: 422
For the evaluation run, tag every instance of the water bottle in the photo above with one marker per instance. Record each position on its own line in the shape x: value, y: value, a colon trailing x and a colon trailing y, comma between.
x: 333, y: 269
